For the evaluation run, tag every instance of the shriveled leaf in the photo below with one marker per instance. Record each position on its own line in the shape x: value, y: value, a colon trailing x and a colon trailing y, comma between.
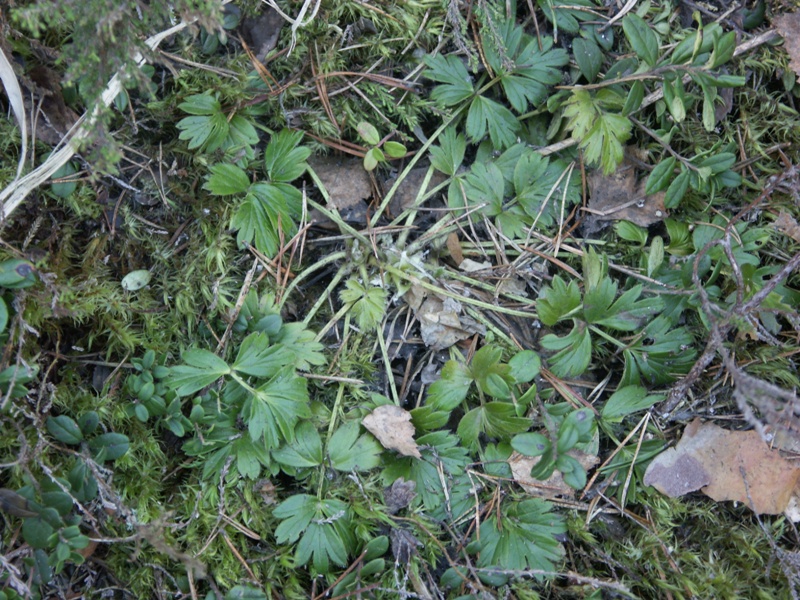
x: 392, y: 426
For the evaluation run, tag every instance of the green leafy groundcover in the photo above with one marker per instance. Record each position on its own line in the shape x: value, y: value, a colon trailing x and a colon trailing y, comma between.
x: 197, y: 416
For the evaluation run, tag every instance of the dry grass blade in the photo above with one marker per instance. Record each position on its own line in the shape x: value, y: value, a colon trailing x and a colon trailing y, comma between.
x: 14, y: 93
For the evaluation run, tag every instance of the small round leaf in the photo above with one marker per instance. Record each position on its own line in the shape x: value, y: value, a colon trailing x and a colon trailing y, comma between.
x: 136, y: 280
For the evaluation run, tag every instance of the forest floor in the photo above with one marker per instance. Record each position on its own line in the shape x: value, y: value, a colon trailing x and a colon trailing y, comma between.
x: 424, y: 299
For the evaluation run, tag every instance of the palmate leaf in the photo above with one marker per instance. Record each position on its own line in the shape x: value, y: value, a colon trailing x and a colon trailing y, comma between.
x: 368, y: 303
x: 524, y: 69
x: 558, y: 300
x: 274, y: 410
x: 349, y: 451
x: 661, y: 355
x: 487, y: 114
x: 265, y: 211
x: 305, y: 451
x: 322, y: 526
x: 484, y: 186
x: 451, y: 388
x: 603, y: 142
x: 537, y: 180
x: 301, y: 342
x: 628, y: 400
x: 573, y: 351
x: 259, y: 358
x: 448, y: 156
x: 497, y: 420
x: 226, y: 180
x: 451, y: 72
x: 600, y: 133
x: 439, y: 449
x: 626, y: 314
x: 202, y: 368
x: 284, y: 160
x: 523, y: 538
x: 250, y: 457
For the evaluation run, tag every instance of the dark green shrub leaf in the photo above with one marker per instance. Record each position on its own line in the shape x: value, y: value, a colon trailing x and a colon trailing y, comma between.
x: 394, y: 149
x: 628, y: 400
x: 17, y: 273
x: 64, y: 429
x: 661, y: 176
x: 376, y: 548
x: 588, y: 56
x: 677, y: 189
x: 531, y: 444
x: 641, y: 37
x: 634, y: 100
x: 37, y: 532
x: 245, y: 592
x: 109, y: 446
x: 724, y: 47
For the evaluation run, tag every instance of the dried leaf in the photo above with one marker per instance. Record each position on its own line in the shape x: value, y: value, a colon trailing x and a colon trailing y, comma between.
x: 454, y: 248
x: 261, y: 32
x: 410, y: 188
x: 470, y: 266
x: 787, y: 225
x: 554, y: 486
x: 14, y: 93
x: 788, y: 25
x: 348, y: 186
x: 442, y: 324
x: 399, y: 495
x: 620, y: 196
x: 725, y: 465
x: 392, y: 426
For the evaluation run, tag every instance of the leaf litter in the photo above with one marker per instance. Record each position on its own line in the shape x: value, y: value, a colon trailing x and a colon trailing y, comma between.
x: 620, y: 197
x: 726, y: 465
x: 392, y: 426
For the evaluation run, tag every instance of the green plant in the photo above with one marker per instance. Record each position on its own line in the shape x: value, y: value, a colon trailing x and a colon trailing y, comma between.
x: 381, y: 148
x: 209, y: 129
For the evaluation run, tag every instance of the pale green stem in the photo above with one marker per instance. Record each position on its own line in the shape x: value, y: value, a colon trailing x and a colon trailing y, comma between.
x: 388, y: 366
x: 420, y: 153
x: 303, y: 275
x: 441, y: 291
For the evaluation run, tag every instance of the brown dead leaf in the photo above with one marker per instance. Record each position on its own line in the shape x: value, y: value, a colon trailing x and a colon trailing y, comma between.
x: 620, y: 196
x: 554, y: 486
x: 454, y: 248
x: 261, y: 31
x: 399, y: 495
x: 348, y: 186
x: 725, y: 465
x: 787, y: 225
x: 442, y: 323
x: 410, y: 187
x: 391, y: 425
x: 788, y: 25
